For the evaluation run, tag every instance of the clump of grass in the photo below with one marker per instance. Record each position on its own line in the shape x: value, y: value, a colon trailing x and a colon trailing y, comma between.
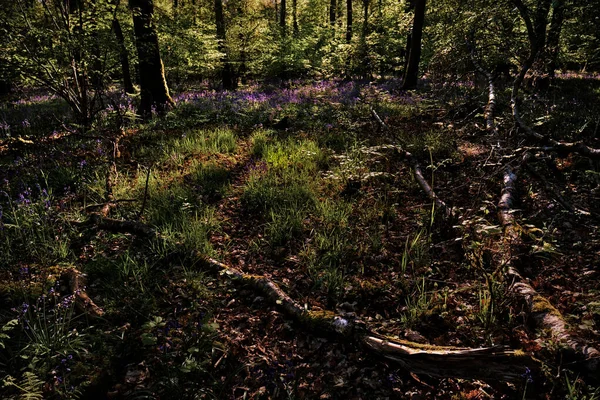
x: 210, y: 178
x: 259, y: 142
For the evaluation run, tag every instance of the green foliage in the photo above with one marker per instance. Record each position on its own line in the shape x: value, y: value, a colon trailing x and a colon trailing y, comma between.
x: 32, y: 226
x: 29, y: 388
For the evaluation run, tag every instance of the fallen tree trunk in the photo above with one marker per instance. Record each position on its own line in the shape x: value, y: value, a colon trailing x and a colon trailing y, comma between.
x: 545, y: 315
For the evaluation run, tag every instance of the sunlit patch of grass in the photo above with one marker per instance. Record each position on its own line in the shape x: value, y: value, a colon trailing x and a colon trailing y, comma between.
x: 219, y: 140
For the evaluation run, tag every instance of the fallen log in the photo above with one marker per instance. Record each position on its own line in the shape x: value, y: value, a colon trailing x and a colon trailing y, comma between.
x: 545, y: 315
x: 491, y: 363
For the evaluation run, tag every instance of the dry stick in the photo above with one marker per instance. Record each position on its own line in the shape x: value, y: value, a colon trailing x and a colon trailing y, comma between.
x: 416, y: 168
x: 546, y: 316
x: 75, y: 280
x: 490, y: 110
x: 145, y: 194
x: 549, y: 187
x: 576, y: 147
x: 439, y: 361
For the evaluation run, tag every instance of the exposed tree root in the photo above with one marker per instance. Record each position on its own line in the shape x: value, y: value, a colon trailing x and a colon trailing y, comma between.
x: 546, y: 316
x: 75, y: 281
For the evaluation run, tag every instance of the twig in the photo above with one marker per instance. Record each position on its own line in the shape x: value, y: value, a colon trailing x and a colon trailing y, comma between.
x: 145, y: 194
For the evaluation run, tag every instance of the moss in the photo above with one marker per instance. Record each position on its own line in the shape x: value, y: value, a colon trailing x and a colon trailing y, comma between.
x: 318, y: 320
x: 421, y: 346
x: 542, y: 306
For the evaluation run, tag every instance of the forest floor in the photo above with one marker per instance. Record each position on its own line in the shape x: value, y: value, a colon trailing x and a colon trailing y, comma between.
x: 290, y: 182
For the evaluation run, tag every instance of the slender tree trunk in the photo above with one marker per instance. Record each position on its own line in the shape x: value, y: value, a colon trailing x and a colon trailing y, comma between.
x: 410, y: 5
x: 282, y: 18
x: 226, y: 74
x: 124, y: 57
x: 348, y: 21
x: 365, y: 19
x: 332, y: 10
x: 154, y: 89
x: 411, y: 75
x: 553, y: 40
x: 276, y: 12
x: 295, y: 17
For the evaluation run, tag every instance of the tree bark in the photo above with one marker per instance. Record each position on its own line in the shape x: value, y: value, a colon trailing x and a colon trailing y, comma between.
x: 348, y: 21
x: 226, y: 73
x: 154, y: 89
x: 282, y: 17
x: 332, y: 10
x: 411, y: 75
x: 553, y: 39
x: 124, y: 57
x: 295, y: 17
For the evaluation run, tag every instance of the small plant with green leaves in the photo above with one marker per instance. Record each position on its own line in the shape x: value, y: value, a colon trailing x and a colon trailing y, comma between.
x: 418, y: 304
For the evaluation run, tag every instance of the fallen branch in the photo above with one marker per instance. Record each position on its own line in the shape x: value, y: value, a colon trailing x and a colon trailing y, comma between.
x: 75, y: 281
x: 560, y: 147
x: 418, y: 173
x: 546, y: 316
x: 549, y: 187
x: 438, y: 361
x: 117, y: 226
x: 490, y: 109
x: 491, y: 363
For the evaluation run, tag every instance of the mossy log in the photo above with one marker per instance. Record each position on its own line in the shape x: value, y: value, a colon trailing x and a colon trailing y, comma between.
x: 491, y: 363
x: 545, y: 315
x: 488, y: 363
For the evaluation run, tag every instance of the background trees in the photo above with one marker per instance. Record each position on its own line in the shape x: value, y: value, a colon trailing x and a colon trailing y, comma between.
x: 79, y: 49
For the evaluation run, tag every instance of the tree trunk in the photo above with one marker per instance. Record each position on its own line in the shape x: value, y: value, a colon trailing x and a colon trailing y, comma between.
x: 365, y: 19
x: 411, y: 75
x: 553, y: 39
x: 154, y: 89
x: 226, y: 73
x: 295, y: 16
x: 124, y: 57
x: 348, y: 21
x: 282, y: 17
x: 332, y: 10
